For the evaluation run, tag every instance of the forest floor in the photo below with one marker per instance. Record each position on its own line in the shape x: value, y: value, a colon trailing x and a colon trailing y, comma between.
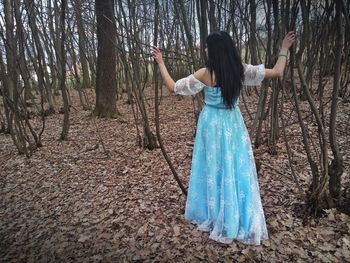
x: 70, y: 202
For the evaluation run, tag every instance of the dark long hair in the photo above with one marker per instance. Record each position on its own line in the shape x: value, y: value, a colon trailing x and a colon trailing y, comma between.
x: 225, y: 62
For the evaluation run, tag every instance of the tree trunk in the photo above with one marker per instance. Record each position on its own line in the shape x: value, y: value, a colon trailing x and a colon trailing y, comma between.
x: 274, y: 124
x: 212, y: 17
x: 336, y: 168
x: 82, y: 45
x: 65, y: 128
x: 202, y: 7
x: 106, y: 60
x: 252, y: 40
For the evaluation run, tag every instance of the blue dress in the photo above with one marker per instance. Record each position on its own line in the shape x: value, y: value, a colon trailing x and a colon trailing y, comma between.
x: 223, y: 195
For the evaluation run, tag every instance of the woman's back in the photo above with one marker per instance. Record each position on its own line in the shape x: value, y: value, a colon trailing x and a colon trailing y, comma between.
x: 223, y: 194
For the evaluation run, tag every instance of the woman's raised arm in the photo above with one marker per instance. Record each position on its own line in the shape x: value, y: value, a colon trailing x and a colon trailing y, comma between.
x: 186, y: 86
x: 168, y: 80
x: 277, y: 70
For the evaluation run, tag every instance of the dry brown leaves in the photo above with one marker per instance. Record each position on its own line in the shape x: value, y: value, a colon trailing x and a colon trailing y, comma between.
x: 70, y: 203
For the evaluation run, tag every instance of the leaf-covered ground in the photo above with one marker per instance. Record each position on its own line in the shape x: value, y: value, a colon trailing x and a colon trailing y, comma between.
x: 71, y: 203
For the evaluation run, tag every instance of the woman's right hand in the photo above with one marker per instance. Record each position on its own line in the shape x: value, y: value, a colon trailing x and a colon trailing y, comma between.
x: 157, y: 55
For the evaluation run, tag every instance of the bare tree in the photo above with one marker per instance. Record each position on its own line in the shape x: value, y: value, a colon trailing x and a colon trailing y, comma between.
x: 336, y: 167
x: 106, y: 60
x: 65, y: 128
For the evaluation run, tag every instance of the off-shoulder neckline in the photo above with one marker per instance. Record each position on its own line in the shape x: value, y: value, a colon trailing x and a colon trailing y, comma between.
x: 205, y: 85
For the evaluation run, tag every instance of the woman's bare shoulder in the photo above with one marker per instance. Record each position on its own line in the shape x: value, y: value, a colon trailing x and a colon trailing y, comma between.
x: 203, y: 75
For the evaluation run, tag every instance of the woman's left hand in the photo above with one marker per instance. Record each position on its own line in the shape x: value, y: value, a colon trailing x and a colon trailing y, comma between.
x: 157, y: 55
x: 288, y: 40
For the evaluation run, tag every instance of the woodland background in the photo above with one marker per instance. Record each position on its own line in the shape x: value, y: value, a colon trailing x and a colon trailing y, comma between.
x: 95, y: 154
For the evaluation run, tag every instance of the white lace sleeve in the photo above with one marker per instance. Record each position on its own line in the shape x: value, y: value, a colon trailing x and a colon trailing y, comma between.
x: 254, y: 75
x: 188, y: 86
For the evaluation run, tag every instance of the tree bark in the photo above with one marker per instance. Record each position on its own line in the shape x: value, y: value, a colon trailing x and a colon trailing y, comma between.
x: 106, y: 89
x: 252, y: 40
x: 65, y: 127
x: 202, y: 7
x: 336, y: 168
x: 82, y: 45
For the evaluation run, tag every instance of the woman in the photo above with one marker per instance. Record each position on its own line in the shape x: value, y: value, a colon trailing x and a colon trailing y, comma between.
x: 223, y: 196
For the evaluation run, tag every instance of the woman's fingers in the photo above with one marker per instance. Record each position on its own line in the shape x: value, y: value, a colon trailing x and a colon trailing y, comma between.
x: 288, y: 39
x: 156, y: 54
x: 291, y: 35
x: 155, y: 50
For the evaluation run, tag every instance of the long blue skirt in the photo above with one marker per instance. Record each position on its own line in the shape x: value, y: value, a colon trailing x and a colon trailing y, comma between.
x: 224, y: 196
